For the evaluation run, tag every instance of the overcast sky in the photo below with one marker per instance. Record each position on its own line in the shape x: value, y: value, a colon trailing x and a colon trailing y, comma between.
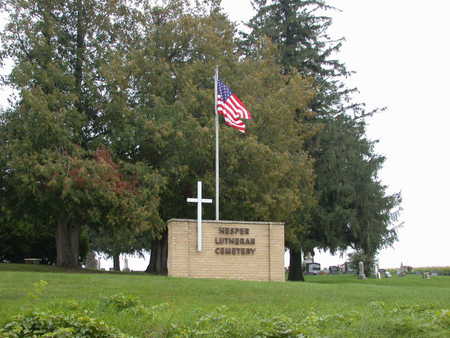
x: 400, y: 51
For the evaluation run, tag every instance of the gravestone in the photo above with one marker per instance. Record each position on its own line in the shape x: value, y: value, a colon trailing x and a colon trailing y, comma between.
x: 376, y: 271
x: 91, y: 262
x: 334, y: 269
x: 361, y: 274
x: 125, y: 265
x: 426, y: 275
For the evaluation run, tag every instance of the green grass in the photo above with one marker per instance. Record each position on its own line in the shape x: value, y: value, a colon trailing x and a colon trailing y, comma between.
x: 344, y: 305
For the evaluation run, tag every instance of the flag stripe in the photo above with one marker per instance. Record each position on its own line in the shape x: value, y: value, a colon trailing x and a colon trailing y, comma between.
x: 231, y: 120
x: 236, y: 107
x: 231, y: 107
x: 246, y: 114
x: 227, y: 109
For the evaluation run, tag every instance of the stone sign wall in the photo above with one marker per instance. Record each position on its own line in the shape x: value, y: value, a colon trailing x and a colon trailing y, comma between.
x: 232, y: 250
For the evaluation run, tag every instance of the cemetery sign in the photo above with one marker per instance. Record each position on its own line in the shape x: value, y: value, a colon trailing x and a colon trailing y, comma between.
x: 230, y: 249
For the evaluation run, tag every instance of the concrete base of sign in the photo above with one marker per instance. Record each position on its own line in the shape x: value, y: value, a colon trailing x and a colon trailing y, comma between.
x: 230, y: 250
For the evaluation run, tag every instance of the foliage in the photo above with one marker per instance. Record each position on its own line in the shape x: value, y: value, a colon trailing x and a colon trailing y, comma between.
x: 218, y: 323
x: 352, y: 207
x: 65, y: 139
x: 47, y: 324
x: 407, y: 321
x: 359, y: 256
x: 179, y: 135
x: 121, y: 302
x: 139, y: 95
x: 268, y: 175
x: 111, y: 129
x: 38, y: 289
x: 410, y: 321
x: 280, y: 326
x: 299, y: 29
x: 25, y: 239
x: 329, y: 305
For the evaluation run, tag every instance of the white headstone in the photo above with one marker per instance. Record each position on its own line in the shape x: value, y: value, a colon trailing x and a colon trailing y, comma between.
x: 199, y: 200
x: 125, y: 264
x: 376, y: 272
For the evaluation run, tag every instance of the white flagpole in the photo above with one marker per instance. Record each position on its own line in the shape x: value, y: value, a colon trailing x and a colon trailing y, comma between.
x: 216, y: 78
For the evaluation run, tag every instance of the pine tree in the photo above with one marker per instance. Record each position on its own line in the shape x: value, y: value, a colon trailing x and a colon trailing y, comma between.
x: 299, y: 30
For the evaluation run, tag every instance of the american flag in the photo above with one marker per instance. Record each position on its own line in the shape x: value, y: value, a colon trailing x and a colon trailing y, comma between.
x: 231, y: 108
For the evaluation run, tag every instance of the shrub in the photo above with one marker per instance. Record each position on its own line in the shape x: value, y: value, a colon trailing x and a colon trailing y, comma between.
x: 121, y: 302
x: 38, y: 289
x: 47, y: 324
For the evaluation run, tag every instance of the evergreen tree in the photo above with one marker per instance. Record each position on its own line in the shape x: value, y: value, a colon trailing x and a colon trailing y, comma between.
x: 69, y: 115
x: 340, y: 149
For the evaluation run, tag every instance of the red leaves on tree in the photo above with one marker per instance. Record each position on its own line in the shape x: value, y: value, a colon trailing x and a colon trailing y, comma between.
x: 99, y: 172
x: 113, y: 175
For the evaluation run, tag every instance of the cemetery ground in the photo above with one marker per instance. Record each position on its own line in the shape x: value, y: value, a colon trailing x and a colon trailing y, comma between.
x: 141, y: 305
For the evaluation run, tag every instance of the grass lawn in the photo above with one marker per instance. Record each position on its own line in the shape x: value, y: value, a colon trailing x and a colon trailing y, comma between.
x: 147, y: 306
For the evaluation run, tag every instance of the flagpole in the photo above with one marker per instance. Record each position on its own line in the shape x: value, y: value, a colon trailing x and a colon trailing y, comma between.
x: 216, y: 78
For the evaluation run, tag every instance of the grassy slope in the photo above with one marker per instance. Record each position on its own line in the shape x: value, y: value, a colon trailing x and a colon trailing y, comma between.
x: 188, y: 298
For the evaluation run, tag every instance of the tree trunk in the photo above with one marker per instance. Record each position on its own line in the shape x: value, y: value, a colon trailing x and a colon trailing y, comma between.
x: 67, y: 244
x: 116, y: 262
x: 295, y: 265
x: 158, y: 256
x: 367, y: 269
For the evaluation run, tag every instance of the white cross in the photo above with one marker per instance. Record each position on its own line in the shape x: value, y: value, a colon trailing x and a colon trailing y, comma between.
x: 199, y: 200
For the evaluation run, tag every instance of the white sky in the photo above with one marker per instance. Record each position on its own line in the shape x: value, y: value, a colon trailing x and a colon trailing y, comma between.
x: 400, y: 50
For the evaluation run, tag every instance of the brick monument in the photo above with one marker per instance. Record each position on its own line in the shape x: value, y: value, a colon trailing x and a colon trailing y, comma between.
x: 228, y: 249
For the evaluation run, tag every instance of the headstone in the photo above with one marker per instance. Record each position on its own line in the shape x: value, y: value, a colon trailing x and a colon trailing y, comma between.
x: 403, y: 271
x: 376, y: 271
x: 91, y: 261
x: 361, y: 274
x: 312, y: 268
x: 334, y: 269
x: 125, y: 265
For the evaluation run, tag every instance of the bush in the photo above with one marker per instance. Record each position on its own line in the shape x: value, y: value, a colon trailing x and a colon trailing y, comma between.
x: 121, y: 302
x: 47, y: 324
